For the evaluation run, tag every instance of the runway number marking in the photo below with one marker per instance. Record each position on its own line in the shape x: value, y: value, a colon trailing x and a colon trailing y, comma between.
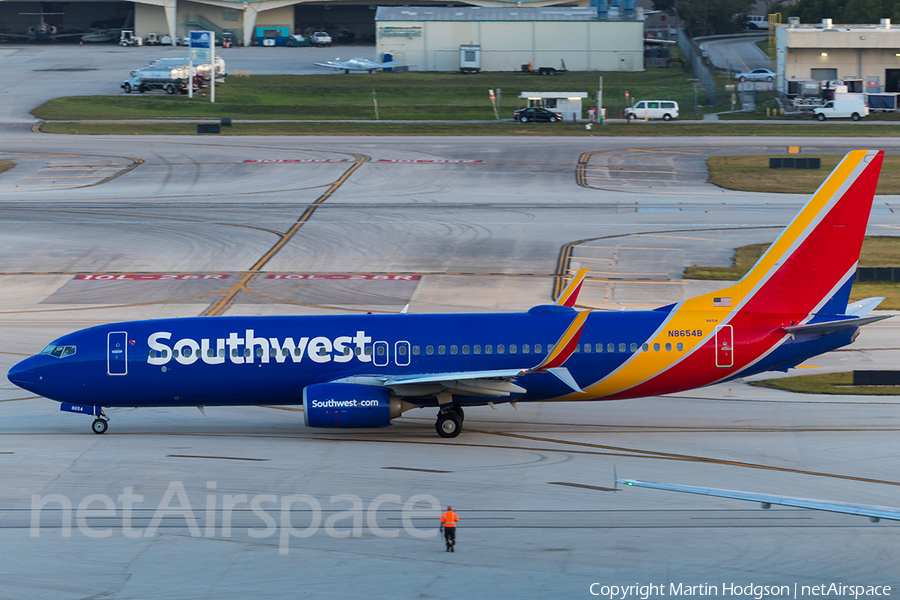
x: 158, y: 277
x: 435, y: 161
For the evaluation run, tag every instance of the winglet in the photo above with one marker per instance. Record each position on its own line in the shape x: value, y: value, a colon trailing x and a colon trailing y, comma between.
x: 570, y: 295
x: 565, y: 347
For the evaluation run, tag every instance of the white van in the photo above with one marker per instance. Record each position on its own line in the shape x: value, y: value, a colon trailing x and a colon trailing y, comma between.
x: 852, y: 106
x: 653, y: 109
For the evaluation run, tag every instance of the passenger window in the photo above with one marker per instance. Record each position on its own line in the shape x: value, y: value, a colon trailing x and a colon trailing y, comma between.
x: 415, y: 350
x: 476, y: 349
x: 610, y: 347
x: 668, y: 347
x: 380, y: 351
x: 512, y: 348
x: 175, y: 353
x: 633, y: 347
x: 537, y: 348
x: 368, y: 350
x: 165, y: 354
x: 210, y: 352
x: 525, y: 349
x: 442, y: 349
x: 656, y: 347
x: 621, y: 346
x: 358, y: 350
x: 323, y: 353
x: 247, y: 351
x: 429, y: 350
x: 453, y: 349
x: 296, y: 352
x: 285, y: 352
x: 645, y: 347
x: 587, y: 347
x: 500, y: 349
x: 401, y: 350
x: 259, y: 352
x: 679, y: 346
x: 488, y: 349
x: 549, y: 347
x: 346, y: 351
x: 598, y: 347
x: 465, y: 349
x: 577, y: 348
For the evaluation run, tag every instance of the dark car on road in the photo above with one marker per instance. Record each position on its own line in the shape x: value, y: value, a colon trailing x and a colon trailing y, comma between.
x: 523, y: 115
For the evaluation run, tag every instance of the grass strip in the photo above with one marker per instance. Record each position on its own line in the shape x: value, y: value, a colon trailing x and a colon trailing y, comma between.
x: 6, y: 165
x: 826, y: 383
x: 651, y: 129
x: 752, y: 174
x: 400, y: 96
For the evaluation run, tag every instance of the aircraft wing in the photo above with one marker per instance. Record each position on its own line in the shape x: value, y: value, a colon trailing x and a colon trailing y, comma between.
x: 331, y: 64
x: 875, y: 513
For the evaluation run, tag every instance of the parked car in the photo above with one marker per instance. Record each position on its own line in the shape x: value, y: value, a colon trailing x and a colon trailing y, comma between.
x: 756, y: 75
x: 653, y: 109
x: 523, y: 115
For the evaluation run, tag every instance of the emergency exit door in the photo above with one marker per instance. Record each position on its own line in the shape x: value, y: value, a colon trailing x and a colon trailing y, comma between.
x: 724, y: 346
x: 117, y: 353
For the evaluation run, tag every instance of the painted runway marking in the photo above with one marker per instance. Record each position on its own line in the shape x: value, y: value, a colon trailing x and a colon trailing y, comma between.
x: 352, y: 277
x: 156, y: 277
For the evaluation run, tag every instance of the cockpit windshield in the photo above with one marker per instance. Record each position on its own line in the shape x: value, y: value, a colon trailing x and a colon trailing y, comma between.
x: 59, y: 351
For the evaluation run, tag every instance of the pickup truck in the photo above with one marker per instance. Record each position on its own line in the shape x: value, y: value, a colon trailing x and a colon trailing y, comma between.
x: 320, y: 38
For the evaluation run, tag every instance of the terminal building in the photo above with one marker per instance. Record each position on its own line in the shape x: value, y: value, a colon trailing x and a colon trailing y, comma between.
x: 826, y: 52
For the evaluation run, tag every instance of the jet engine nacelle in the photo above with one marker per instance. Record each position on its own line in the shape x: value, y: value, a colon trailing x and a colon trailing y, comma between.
x: 348, y: 405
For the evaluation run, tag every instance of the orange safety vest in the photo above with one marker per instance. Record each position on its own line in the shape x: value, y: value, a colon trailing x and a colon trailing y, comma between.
x: 449, y: 519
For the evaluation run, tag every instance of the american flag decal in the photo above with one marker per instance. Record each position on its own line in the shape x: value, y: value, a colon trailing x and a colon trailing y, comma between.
x: 721, y: 301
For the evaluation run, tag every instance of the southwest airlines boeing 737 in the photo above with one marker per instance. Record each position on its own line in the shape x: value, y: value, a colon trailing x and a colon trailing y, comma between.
x: 365, y: 370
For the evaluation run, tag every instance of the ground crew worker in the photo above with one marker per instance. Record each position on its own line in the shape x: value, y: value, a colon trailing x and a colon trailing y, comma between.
x: 448, y: 525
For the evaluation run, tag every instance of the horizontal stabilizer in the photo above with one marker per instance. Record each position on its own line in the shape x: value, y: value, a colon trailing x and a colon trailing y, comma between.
x: 829, y: 326
x: 873, y: 512
x: 864, y: 307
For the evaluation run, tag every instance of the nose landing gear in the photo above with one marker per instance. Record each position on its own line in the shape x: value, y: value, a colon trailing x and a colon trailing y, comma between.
x: 101, y: 423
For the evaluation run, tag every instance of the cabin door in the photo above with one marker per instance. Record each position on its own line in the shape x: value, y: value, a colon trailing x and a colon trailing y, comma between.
x: 724, y: 346
x: 117, y: 353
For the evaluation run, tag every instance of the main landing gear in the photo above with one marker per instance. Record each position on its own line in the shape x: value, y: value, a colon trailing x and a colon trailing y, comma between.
x: 101, y: 423
x: 450, y: 421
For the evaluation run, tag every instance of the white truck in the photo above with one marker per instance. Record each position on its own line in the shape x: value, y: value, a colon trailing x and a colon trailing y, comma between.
x: 320, y: 38
x: 844, y: 106
x: 170, y: 79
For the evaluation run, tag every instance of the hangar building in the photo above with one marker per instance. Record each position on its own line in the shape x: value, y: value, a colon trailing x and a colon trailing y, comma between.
x: 345, y: 20
x: 825, y: 51
x: 428, y: 38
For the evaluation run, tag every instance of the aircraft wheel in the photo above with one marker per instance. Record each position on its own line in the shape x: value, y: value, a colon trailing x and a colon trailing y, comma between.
x: 459, y: 412
x: 100, y: 426
x: 448, y: 425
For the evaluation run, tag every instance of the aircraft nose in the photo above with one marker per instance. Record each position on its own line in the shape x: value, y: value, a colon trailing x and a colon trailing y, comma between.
x: 23, y: 374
